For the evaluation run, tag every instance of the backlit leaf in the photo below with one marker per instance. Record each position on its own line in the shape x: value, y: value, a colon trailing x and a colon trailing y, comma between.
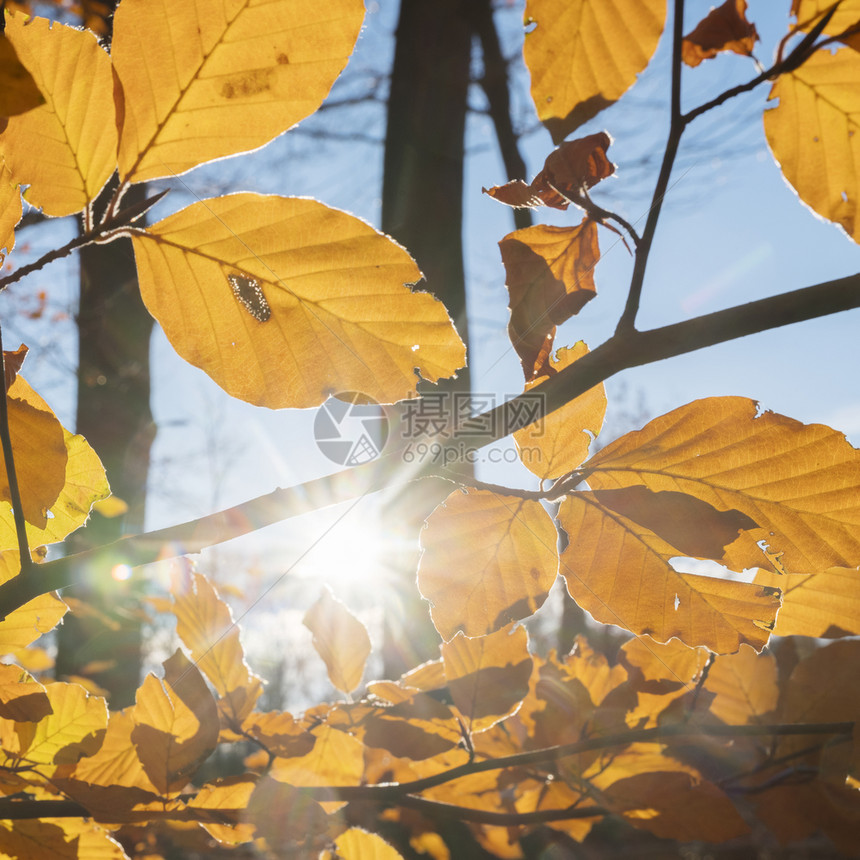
x: 745, y: 686
x: 357, y: 844
x: 239, y: 74
x: 64, y: 150
x: 176, y: 724
x: 487, y: 560
x: 229, y: 799
x: 10, y: 211
x: 488, y: 676
x: 18, y: 89
x: 814, y: 134
x: 845, y: 20
x: 825, y: 604
x: 550, y: 277
x: 35, y: 840
x: 205, y: 624
x: 287, y: 819
x: 336, y: 759
x: 559, y: 443
x: 340, y: 639
x: 583, y: 55
x: 568, y: 172
x: 26, y: 624
x: 342, y: 317
x: 674, y: 806
x: 723, y: 29
x: 21, y: 696
x: 74, y: 728
x: 798, y: 482
x: 40, y: 457
x: 279, y: 733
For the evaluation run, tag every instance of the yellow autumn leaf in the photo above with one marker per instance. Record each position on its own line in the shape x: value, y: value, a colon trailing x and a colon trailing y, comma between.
x: 337, y: 758
x: 583, y: 55
x: 83, y: 483
x: 618, y: 570
x: 116, y: 764
x: 93, y: 842
x: 744, y: 686
x: 22, y: 698
x: 550, y: 277
x: 18, y: 90
x: 279, y: 733
x: 814, y: 134
x: 488, y: 676
x: 26, y: 624
x: 205, y: 624
x: 228, y: 798
x: 846, y: 18
x: 238, y: 75
x: 291, y: 822
x: 487, y: 560
x: 340, y: 639
x: 176, y: 724
x: 74, y: 728
x: 559, y: 443
x: 825, y: 604
x: 10, y: 211
x: 799, y: 483
x: 40, y: 458
x: 333, y: 312
x: 358, y: 844
x: 64, y: 150
x: 36, y: 840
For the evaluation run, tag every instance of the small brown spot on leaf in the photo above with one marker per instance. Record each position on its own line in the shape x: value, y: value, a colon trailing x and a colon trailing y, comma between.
x: 249, y: 84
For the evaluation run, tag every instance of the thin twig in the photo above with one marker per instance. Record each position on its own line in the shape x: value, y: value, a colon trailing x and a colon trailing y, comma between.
x: 11, y: 475
x: 627, y: 321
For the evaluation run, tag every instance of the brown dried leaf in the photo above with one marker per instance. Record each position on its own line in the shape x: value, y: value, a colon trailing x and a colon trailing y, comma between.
x: 487, y: 560
x: 550, y: 277
x: 723, y: 29
x: 340, y: 639
x: 568, y: 172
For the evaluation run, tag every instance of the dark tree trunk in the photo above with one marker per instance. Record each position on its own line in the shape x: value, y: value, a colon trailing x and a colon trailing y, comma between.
x: 103, y: 643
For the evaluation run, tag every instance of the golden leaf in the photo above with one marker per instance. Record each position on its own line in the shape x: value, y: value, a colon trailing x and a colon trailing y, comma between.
x: 487, y: 560
x: 229, y: 798
x: 745, y: 686
x: 64, y: 150
x: 18, y: 90
x: 550, y: 277
x: 619, y: 571
x: 845, y: 21
x: 287, y: 819
x: 559, y: 443
x: 205, y: 624
x: 27, y: 623
x: 825, y: 604
x: 798, y: 482
x: 488, y: 676
x: 358, y: 844
x: 723, y: 29
x: 337, y: 758
x: 336, y: 289
x: 176, y: 724
x: 74, y: 728
x: 340, y: 639
x: 10, y: 211
x: 239, y: 74
x: 814, y: 134
x: 22, y: 698
x: 279, y: 733
x: 36, y: 840
x: 583, y: 55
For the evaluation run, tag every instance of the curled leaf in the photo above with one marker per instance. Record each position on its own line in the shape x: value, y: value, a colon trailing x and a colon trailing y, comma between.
x: 723, y: 29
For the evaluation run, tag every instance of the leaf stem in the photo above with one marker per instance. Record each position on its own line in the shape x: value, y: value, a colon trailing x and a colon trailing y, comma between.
x: 626, y: 323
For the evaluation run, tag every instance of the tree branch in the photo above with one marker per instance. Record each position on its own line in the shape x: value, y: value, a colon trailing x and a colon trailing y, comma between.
x: 620, y: 352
